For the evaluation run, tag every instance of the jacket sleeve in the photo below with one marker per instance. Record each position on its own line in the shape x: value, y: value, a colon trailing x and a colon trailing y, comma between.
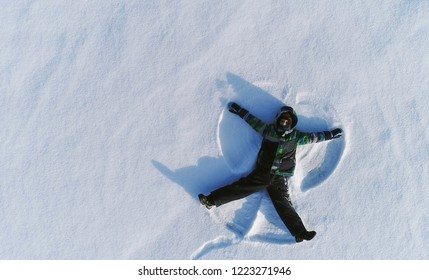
x: 255, y: 123
x: 304, y: 138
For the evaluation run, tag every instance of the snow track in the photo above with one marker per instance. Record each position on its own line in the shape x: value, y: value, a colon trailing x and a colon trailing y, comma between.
x: 113, y: 119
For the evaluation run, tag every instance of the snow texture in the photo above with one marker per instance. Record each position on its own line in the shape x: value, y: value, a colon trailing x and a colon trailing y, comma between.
x: 113, y: 119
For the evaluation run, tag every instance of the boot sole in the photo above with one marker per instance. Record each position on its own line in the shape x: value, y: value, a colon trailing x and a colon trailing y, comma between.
x: 203, y: 201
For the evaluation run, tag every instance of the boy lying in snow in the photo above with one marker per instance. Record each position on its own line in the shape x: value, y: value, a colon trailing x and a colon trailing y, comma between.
x: 274, y: 165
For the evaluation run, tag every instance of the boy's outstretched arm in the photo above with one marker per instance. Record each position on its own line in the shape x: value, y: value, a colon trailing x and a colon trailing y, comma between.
x: 253, y: 121
x: 314, y: 137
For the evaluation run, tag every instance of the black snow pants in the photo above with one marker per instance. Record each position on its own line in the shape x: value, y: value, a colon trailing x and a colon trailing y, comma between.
x: 277, y: 188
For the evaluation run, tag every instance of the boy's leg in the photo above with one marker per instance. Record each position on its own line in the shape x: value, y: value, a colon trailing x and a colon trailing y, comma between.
x: 278, y: 191
x: 254, y: 182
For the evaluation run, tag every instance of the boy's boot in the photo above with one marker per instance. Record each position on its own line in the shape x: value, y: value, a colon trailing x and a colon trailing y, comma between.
x: 305, y: 235
x: 206, y: 201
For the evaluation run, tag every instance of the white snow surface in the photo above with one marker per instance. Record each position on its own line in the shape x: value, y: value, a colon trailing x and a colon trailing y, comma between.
x: 113, y: 119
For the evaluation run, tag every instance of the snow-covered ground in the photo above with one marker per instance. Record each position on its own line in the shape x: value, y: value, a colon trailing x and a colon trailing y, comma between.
x: 112, y: 120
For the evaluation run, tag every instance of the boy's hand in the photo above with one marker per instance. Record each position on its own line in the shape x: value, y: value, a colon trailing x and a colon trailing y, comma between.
x: 237, y: 109
x: 337, y: 133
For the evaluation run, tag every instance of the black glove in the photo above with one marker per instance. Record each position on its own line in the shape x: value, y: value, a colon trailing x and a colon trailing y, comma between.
x: 336, y: 133
x: 236, y: 109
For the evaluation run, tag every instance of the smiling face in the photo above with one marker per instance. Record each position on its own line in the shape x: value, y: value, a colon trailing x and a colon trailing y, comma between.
x: 285, y: 120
